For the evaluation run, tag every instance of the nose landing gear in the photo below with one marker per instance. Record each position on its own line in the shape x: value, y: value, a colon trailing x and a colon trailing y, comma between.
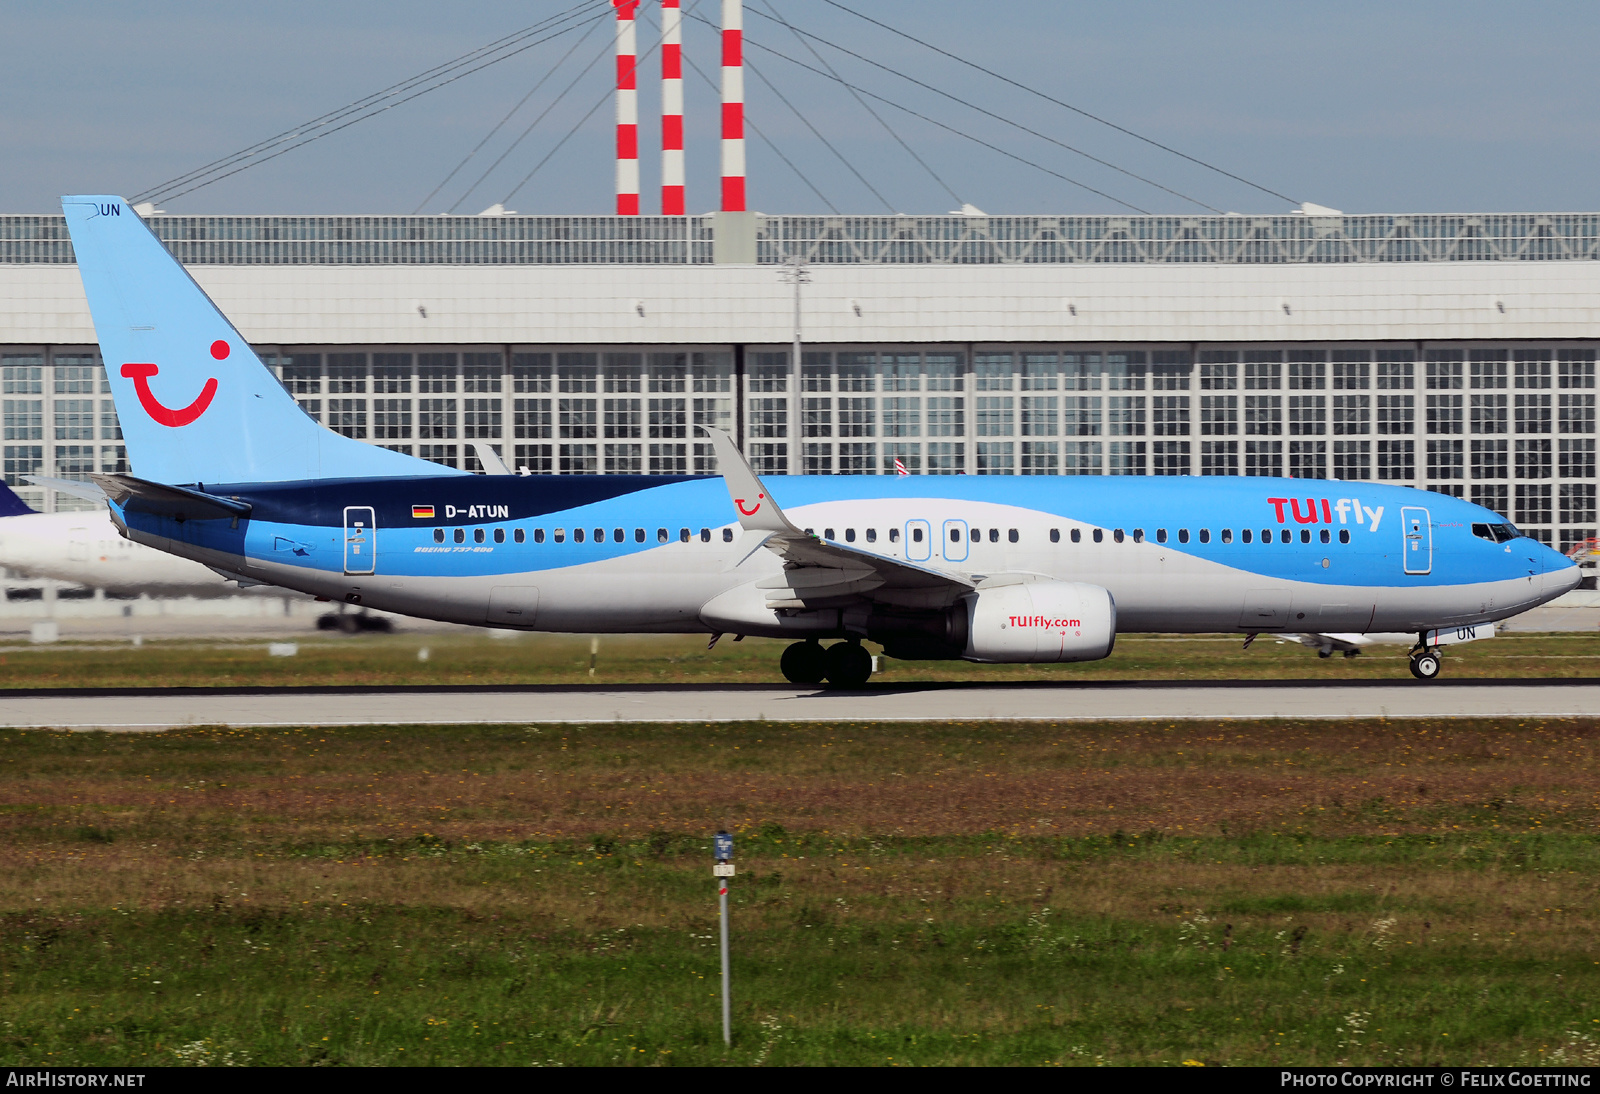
x: 844, y: 664
x: 1425, y: 663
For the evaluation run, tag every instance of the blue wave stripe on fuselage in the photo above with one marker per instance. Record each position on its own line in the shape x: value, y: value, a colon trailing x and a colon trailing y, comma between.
x: 312, y: 514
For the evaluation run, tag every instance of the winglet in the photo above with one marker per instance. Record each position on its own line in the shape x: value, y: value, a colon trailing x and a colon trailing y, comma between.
x: 758, y: 511
x: 492, y: 463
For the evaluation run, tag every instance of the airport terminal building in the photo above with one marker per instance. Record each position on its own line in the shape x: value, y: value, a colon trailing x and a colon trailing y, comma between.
x: 1453, y: 353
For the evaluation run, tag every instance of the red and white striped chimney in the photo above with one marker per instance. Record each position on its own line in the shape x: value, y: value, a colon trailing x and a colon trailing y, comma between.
x: 732, y: 106
x: 671, y: 109
x: 627, y: 110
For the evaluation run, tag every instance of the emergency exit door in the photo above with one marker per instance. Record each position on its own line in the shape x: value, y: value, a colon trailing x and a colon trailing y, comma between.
x: 360, y: 540
x: 1418, y: 531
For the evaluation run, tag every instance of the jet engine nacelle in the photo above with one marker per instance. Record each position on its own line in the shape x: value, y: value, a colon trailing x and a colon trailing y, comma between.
x: 1042, y: 621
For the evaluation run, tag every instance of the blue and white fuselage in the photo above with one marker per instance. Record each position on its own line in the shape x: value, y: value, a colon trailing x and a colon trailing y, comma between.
x: 228, y: 471
x: 612, y: 553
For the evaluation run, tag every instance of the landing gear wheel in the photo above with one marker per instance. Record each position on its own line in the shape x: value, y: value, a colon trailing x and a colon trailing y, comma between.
x: 1324, y: 654
x: 1425, y: 665
x: 804, y: 663
x: 847, y: 665
x: 1351, y: 653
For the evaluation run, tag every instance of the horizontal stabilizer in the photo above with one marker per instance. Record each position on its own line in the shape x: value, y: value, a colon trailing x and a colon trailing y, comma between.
x: 172, y: 502
x: 77, y: 488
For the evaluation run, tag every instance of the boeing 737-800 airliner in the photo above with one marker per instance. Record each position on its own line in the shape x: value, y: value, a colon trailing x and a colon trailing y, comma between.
x: 231, y: 473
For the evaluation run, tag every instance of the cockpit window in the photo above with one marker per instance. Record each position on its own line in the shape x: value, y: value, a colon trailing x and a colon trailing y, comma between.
x: 1496, y: 533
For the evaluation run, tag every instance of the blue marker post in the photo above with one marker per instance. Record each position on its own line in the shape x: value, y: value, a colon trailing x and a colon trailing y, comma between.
x: 722, y: 870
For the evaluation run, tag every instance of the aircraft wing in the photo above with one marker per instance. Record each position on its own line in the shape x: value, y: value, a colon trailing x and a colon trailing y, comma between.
x: 818, y: 573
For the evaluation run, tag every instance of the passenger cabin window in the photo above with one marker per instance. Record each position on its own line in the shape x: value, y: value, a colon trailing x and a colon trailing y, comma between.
x: 1244, y: 536
x: 872, y: 535
x: 438, y: 534
x: 1326, y: 536
x: 499, y: 535
x: 705, y: 535
x: 1077, y: 535
x: 727, y: 535
x: 1099, y: 535
x: 1055, y: 535
x: 1227, y: 535
x: 577, y: 535
x: 955, y: 535
x: 662, y: 535
x: 683, y: 535
x: 1117, y: 535
x: 599, y: 535
x: 849, y: 535
x: 522, y: 537
x: 975, y: 535
x: 461, y: 535
x: 1205, y: 535
x: 894, y: 535
x: 1287, y: 536
x: 1161, y: 535
x: 916, y: 535
x: 560, y: 535
x: 994, y: 535
x: 1138, y: 535
x: 1305, y: 535
x: 827, y: 533
x: 477, y: 535
x: 1183, y: 535
x: 620, y: 535
x: 1344, y: 535
x: 1011, y: 535
x: 638, y: 535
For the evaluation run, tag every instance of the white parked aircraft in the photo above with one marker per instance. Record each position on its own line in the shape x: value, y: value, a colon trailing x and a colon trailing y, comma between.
x: 86, y: 549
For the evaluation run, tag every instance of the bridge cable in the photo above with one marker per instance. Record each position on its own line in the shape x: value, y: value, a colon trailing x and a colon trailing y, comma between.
x: 498, y: 125
x: 863, y: 104
x: 770, y: 143
x: 1064, y: 105
x: 605, y: 49
x: 1001, y: 118
x: 347, y: 108
x: 361, y: 108
x: 948, y: 128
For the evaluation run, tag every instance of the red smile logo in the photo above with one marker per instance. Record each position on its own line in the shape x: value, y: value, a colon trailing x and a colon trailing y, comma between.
x: 739, y: 502
x: 140, y: 373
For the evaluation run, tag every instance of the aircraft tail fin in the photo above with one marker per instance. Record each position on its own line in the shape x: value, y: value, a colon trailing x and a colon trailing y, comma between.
x: 10, y: 504
x: 195, y: 402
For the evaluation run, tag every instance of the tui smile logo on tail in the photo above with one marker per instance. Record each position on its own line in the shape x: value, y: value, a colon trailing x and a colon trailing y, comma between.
x: 140, y: 373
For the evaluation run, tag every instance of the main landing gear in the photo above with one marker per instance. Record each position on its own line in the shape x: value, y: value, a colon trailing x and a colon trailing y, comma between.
x: 1425, y: 663
x: 844, y: 664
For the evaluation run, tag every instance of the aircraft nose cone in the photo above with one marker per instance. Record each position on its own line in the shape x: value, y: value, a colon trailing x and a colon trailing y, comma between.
x: 1561, y: 574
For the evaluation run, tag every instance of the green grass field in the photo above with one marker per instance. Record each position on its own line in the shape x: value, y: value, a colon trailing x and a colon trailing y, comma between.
x: 561, y: 659
x: 1227, y: 893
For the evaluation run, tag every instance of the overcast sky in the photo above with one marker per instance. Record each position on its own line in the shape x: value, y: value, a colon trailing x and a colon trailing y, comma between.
x: 1365, y: 106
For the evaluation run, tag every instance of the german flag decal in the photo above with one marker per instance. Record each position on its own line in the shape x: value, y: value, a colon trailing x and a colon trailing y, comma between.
x: 422, y: 512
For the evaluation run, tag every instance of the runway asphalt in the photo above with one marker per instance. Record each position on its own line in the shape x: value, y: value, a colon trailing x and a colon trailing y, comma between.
x: 150, y: 710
